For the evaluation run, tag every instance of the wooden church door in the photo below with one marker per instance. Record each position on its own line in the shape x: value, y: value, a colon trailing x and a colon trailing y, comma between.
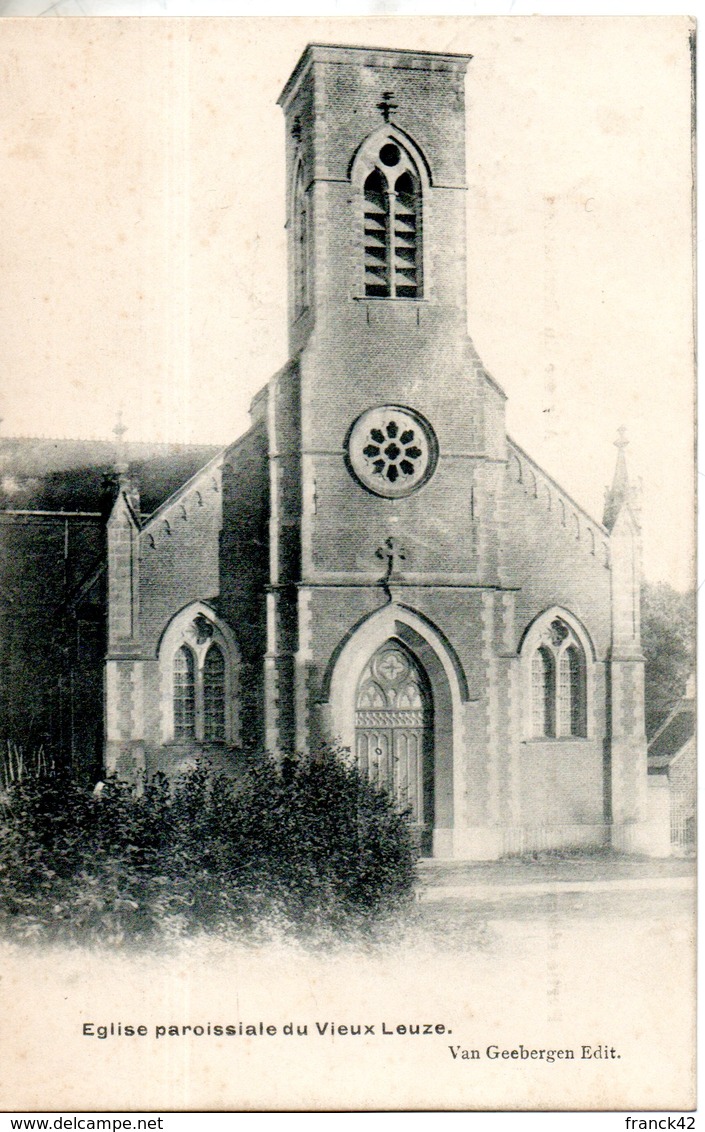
x: 394, y: 735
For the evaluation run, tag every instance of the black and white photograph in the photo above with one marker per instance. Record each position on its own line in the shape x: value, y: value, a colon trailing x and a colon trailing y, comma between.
x: 347, y: 564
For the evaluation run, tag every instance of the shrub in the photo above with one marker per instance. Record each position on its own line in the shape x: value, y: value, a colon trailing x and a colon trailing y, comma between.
x: 307, y: 844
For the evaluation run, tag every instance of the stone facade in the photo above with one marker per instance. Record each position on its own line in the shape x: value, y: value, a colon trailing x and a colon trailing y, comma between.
x: 375, y: 563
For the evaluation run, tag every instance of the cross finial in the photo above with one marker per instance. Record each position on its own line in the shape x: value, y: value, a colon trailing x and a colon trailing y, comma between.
x: 620, y: 492
x: 621, y: 441
x: 387, y: 105
x: 390, y: 552
x: 120, y: 427
x: 119, y: 432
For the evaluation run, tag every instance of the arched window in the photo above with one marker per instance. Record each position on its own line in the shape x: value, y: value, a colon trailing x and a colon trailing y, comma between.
x: 301, y: 226
x: 558, y: 680
x: 184, y: 694
x: 199, y: 666
x: 214, y: 695
x: 392, y: 225
x: 571, y: 697
x: 543, y: 692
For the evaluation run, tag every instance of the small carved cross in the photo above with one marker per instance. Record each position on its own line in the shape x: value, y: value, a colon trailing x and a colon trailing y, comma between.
x: 391, y: 551
x: 387, y: 105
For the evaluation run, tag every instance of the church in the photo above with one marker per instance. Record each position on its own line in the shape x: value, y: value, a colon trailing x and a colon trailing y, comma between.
x: 375, y: 563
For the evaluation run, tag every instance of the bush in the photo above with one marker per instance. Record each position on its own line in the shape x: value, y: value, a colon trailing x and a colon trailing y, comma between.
x: 306, y: 844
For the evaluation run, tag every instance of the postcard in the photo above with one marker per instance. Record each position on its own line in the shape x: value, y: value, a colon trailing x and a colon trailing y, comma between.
x: 346, y: 586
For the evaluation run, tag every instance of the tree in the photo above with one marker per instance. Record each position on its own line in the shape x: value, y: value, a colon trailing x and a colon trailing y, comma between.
x: 668, y: 644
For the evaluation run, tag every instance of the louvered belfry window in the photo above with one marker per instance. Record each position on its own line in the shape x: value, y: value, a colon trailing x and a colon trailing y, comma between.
x: 393, y: 226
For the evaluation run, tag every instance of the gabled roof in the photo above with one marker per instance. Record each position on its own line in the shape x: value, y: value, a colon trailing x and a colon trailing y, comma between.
x: 672, y: 735
x: 188, y: 485
x: 67, y: 475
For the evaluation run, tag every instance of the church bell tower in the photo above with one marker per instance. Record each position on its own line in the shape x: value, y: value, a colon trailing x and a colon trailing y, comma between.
x: 386, y: 435
x: 376, y: 193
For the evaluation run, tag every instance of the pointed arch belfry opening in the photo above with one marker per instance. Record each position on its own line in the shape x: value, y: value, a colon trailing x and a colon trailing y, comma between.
x: 391, y: 175
x: 428, y: 676
x: 394, y: 732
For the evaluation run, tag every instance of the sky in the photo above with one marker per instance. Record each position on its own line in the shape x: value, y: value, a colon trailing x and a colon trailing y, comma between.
x: 143, y: 258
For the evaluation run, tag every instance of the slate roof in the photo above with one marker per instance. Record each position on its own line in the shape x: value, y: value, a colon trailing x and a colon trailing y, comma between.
x: 672, y: 736
x: 67, y: 475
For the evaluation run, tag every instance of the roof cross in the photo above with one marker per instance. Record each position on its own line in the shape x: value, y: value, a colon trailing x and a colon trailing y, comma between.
x: 120, y: 427
x: 621, y: 441
x: 120, y: 466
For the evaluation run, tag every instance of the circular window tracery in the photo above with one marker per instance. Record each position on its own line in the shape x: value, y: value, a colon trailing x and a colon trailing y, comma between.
x: 390, y: 155
x: 392, y: 451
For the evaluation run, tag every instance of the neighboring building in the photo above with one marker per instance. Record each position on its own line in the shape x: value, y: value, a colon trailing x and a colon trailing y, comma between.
x: 55, y: 496
x: 672, y: 753
x: 374, y: 562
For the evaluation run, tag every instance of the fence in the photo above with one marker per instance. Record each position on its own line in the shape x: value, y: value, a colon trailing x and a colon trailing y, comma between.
x: 16, y: 764
x: 683, y: 827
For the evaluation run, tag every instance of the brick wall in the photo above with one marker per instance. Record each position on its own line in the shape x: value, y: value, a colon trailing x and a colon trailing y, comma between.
x: 244, y: 568
x: 179, y: 554
x: 555, y: 554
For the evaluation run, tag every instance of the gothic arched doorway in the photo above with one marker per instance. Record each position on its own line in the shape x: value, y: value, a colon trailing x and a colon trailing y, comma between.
x: 394, y: 733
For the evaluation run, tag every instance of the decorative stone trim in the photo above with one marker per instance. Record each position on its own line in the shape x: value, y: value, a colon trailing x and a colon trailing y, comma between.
x: 538, y: 485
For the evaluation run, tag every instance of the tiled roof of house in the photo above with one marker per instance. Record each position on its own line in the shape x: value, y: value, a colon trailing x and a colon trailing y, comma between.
x: 38, y: 474
x: 672, y: 735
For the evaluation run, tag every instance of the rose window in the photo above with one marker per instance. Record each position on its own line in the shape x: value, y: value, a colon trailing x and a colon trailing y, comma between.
x: 391, y: 450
